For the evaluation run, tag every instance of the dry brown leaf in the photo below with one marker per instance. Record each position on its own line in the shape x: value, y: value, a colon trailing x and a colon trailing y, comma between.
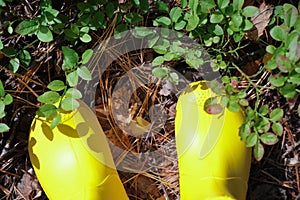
x: 28, y: 185
x: 260, y: 21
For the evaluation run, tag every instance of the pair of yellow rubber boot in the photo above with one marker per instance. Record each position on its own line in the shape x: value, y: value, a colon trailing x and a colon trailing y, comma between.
x: 71, y: 164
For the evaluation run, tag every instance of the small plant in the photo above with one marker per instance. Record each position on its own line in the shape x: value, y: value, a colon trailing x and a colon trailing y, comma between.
x: 284, y: 63
x: 54, y: 102
x: 42, y: 25
x: 5, y: 99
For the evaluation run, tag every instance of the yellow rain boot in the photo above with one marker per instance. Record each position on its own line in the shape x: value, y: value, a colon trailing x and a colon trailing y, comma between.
x: 214, y: 163
x: 73, y: 161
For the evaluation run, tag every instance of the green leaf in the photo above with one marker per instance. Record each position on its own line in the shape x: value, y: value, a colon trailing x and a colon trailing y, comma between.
x: 223, y: 3
x: 183, y: 3
x: 110, y: 9
x: 2, y: 92
x: 174, y: 78
x: 299, y: 110
x: 276, y: 115
x: 192, y: 23
x: 47, y: 110
x: 258, y: 151
x: 56, y: 85
x: 69, y: 104
x: 237, y: 37
x: 3, y: 128
x: 250, y: 11
x: 247, y: 25
x: 277, y: 128
x: 288, y: 91
x: 44, y: 34
x: 179, y: 25
x: 73, y: 93
x: 244, y: 102
x: 236, y: 20
x: 216, y: 18
x: 2, y: 3
x: 86, y: 56
x: 70, y: 58
x: 245, y: 130
x: 1, y: 45
x: 175, y: 14
x: 86, y: 38
x: 218, y: 30
x: 207, y: 5
x: 162, y: 6
x: 169, y: 56
x: 14, y: 65
x: 290, y: 15
x: 120, y: 31
x: 269, y: 138
x: 141, y: 32
x: 294, y: 78
x: 278, y: 33
x: 160, y: 49
x: 262, y: 124
x: 163, y: 21
x: 160, y: 72
x: 158, y: 61
x: 72, y: 78
x: 25, y: 57
x: 238, y: 4
x: 136, y: 3
x: 234, y: 106
x: 278, y: 81
x: 153, y: 41
x: 27, y: 27
x: 133, y: 18
x: 144, y: 6
x: 84, y: 73
x: 2, y: 106
x: 251, y: 140
x: 56, y: 121
x: 8, y: 99
x: 283, y: 63
x: 49, y: 97
x: 270, y: 49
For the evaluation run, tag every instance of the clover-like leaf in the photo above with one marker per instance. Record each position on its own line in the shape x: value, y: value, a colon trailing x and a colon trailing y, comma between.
x: 258, y: 151
x: 8, y: 99
x: 277, y: 128
x: 250, y: 11
x: 3, y: 128
x: 69, y: 104
x: 27, y: 27
x: 86, y: 56
x: 49, y: 97
x: 44, y: 34
x: 56, y: 85
x: 73, y: 93
x: 2, y: 92
x: 175, y: 14
x: 269, y: 138
x: 160, y: 72
x: 84, y: 73
x: 278, y: 33
x: 47, y: 110
x: 157, y: 61
x: 55, y: 121
x: 276, y: 115
x: 70, y: 58
x: 72, y: 78
x: 251, y: 140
